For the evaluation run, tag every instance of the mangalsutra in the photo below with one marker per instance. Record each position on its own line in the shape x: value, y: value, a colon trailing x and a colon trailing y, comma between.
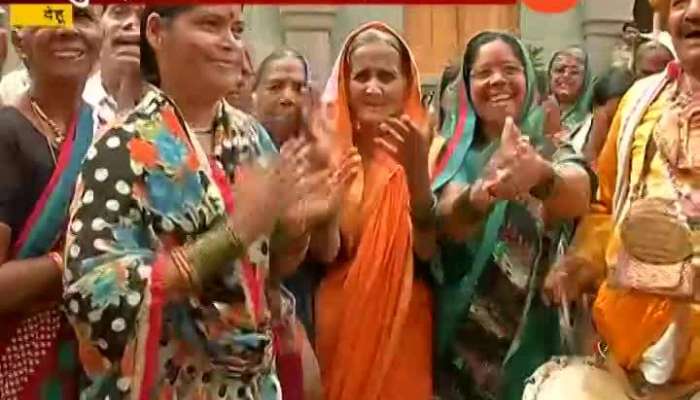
x: 206, y: 134
x: 58, y: 134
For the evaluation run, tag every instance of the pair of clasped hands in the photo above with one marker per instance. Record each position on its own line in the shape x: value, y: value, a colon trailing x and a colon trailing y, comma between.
x: 300, y: 189
x: 304, y: 186
x: 511, y: 173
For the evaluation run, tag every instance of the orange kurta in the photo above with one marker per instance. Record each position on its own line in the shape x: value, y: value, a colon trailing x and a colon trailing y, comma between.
x: 631, y: 321
x: 374, y: 324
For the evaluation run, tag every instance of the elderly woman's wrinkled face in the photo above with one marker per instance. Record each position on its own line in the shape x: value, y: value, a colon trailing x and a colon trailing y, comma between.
x: 377, y: 86
x: 497, y: 83
x: 61, y: 53
x: 280, y: 97
x: 566, y: 77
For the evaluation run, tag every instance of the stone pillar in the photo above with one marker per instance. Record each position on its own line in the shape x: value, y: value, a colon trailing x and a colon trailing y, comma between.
x: 263, y: 31
x: 308, y: 30
x: 552, y: 32
x: 602, y: 28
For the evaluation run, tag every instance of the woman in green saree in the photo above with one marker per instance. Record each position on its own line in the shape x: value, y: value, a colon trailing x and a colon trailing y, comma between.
x: 495, y: 194
x: 571, y: 85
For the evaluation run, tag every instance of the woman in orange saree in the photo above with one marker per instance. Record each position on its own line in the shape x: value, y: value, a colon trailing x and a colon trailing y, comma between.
x: 374, y: 322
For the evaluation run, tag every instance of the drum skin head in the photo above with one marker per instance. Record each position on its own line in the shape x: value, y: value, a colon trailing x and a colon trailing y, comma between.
x: 576, y: 380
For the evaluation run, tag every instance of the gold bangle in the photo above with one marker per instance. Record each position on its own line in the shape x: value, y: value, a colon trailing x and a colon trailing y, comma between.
x: 57, y: 260
x: 236, y: 242
x: 184, y: 268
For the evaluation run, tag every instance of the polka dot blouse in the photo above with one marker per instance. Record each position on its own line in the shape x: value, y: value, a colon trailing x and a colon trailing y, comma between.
x: 146, y: 186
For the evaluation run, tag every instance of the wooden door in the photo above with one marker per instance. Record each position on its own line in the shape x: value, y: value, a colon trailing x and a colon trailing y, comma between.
x: 438, y: 33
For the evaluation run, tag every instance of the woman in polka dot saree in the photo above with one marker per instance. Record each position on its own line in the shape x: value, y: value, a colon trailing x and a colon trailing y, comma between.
x: 167, y: 258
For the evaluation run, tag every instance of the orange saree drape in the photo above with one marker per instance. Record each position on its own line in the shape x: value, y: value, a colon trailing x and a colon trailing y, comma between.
x: 374, y: 323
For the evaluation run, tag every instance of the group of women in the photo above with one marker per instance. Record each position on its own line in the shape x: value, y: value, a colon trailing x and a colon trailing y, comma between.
x: 152, y: 261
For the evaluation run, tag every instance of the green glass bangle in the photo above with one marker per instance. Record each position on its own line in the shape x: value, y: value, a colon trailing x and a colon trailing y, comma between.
x: 213, y: 249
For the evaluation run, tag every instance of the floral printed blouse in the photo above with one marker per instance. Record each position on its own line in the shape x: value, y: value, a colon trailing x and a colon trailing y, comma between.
x: 146, y: 186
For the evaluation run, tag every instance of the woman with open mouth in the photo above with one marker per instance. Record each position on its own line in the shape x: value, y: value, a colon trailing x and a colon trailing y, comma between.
x: 497, y: 193
x: 636, y: 248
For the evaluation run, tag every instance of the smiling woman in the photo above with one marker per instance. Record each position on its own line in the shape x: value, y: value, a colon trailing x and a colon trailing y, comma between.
x: 165, y: 281
x: 571, y: 84
x: 43, y: 139
x: 495, y: 191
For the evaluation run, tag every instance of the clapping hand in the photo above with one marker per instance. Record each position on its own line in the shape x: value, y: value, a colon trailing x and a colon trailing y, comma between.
x: 256, y: 188
x: 407, y: 143
x: 329, y: 187
x: 293, y: 169
x: 552, y: 116
x: 516, y: 167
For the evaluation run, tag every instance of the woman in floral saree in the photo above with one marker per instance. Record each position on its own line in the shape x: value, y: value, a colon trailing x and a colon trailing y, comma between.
x: 44, y: 136
x: 167, y: 254
x: 496, y: 194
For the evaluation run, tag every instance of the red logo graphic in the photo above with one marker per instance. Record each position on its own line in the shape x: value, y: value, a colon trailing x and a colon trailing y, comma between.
x: 550, y: 6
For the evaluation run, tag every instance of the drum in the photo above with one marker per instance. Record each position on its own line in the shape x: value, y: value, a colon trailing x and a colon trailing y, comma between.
x: 573, y: 378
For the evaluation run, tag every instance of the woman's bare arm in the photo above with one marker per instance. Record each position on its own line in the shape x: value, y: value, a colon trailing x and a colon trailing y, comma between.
x: 28, y: 281
x: 571, y: 194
